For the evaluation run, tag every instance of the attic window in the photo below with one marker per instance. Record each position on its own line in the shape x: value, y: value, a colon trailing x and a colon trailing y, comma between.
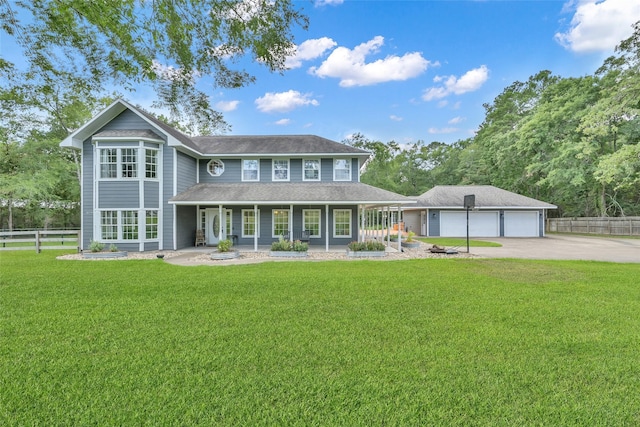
x: 215, y: 167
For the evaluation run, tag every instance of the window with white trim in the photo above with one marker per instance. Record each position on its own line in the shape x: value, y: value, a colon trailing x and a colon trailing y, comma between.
x: 151, y: 163
x: 251, y: 170
x: 215, y: 167
x: 280, y: 221
x: 311, y: 219
x: 342, y: 170
x: 108, y: 163
x: 109, y: 225
x: 129, y: 162
x: 311, y: 170
x: 342, y: 223
x: 281, y: 170
x: 129, y: 225
x: 151, y: 224
x: 250, y: 223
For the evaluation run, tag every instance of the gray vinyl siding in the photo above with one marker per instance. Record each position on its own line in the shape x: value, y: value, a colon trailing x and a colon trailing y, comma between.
x: 411, y: 221
x: 119, y: 194
x: 501, y: 222
x: 127, y: 120
x: 434, y: 222
x: 326, y: 170
x: 167, y: 192
x: 354, y: 170
x: 151, y: 195
x: 87, y: 193
x: 185, y: 226
x: 232, y: 171
x: 187, y: 173
x: 295, y: 170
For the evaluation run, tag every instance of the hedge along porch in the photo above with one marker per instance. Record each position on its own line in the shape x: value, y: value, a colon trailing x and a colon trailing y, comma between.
x: 332, y: 213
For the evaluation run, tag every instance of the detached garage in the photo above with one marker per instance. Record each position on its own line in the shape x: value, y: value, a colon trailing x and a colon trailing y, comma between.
x: 497, y: 213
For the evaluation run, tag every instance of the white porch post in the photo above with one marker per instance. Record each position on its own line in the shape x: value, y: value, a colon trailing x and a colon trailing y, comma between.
x: 326, y: 227
x: 255, y: 228
x: 388, y: 226
x: 400, y: 229
x: 361, y: 234
x: 220, y: 221
x: 291, y: 223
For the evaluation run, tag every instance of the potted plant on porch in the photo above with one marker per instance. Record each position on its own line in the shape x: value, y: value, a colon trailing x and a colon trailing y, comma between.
x: 286, y: 248
x: 225, y: 251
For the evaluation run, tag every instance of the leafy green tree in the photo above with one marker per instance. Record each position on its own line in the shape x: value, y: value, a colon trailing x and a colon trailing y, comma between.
x: 168, y: 44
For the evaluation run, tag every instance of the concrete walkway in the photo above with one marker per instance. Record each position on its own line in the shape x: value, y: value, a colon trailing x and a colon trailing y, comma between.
x: 564, y: 247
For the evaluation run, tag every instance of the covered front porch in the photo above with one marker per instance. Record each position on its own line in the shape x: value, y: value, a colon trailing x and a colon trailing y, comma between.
x: 256, y: 215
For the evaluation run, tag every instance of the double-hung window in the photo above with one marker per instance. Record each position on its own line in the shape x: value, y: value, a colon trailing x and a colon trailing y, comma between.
x: 250, y: 223
x: 251, y: 170
x: 281, y: 170
x: 342, y: 170
x: 311, y: 170
x: 311, y: 221
x: 151, y: 224
x: 109, y: 163
x: 129, y: 162
x: 129, y: 225
x: 342, y: 223
x: 280, y: 222
x: 151, y: 164
x: 123, y: 225
x: 109, y: 225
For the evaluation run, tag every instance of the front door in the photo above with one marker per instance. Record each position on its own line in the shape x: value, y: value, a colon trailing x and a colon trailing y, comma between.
x: 215, y: 226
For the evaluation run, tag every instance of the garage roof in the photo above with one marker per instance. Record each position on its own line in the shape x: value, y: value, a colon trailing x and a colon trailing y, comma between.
x: 487, y: 196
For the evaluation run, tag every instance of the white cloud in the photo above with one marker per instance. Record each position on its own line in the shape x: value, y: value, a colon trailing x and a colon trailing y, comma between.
x: 456, y: 120
x: 470, y: 81
x: 283, y: 122
x: 319, y: 3
x: 307, y: 50
x: 282, y: 102
x: 226, y: 106
x: 437, y: 131
x: 351, y: 68
x: 395, y: 118
x: 599, y: 25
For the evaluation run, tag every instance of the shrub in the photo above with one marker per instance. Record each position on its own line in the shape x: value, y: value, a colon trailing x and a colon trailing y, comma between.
x: 368, y: 245
x: 113, y: 248
x: 96, y: 246
x: 224, y: 245
x: 410, y: 236
x: 286, y: 245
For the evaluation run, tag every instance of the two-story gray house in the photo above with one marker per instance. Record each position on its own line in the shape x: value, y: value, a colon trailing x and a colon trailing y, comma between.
x: 147, y: 186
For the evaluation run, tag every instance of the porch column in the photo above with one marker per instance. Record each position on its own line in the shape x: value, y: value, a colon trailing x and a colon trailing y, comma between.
x: 361, y: 234
x: 388, y: 216
x: 255, y: 228
x: 291, y: 223
x: 220, y: 222
x: 326, y: 227
x: 400, y: 229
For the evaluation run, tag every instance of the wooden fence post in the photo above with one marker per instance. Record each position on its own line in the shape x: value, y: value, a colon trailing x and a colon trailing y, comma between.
x: 37, y: 241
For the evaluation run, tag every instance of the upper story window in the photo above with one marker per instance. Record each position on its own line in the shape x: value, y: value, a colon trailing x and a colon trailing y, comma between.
x: 118, y: 163
x: 311, y: 170
x: 281, y: 170
x: 151, y: 164
x: 251, y: 170
x: 215, y: 167
x: 342, y: 170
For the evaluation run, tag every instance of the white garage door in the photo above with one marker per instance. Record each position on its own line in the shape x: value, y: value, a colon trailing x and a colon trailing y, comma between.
x: 481, y: 224
x: 521, y: 224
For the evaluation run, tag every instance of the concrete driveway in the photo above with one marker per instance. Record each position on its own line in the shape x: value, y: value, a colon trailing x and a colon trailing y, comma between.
x: 564, y: 247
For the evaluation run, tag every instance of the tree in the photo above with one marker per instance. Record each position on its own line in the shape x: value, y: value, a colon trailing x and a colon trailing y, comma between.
x: 166, y: 43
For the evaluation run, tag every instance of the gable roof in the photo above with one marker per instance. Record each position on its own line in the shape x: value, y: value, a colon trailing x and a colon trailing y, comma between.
x: 287, y: 193
x: 487, y: 196
x: 202, y: 146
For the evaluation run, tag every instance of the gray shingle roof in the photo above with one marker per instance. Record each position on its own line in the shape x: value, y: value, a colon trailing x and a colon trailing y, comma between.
x: 288, y: 193
x: 487, y: 196
x: 128, y: 133
x: 273, y: 144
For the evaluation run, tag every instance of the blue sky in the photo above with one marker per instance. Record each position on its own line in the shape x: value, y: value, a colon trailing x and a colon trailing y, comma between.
x: 412, y: 70
x: 422, y: 69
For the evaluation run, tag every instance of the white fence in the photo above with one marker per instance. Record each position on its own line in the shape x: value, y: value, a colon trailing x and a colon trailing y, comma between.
x: 625, y: 226
x: 39, y: 240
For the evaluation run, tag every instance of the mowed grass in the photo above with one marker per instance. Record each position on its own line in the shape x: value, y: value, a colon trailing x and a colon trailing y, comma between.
x: 415, y: 342
x: 459, y: 242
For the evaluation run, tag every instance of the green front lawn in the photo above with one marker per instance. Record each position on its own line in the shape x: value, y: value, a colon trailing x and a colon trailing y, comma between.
x: 458, y: 242
x: 415, y: 342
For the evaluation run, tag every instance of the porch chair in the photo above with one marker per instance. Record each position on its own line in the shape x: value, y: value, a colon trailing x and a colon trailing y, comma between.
x: 304, y: 237
x: 200, y: 238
